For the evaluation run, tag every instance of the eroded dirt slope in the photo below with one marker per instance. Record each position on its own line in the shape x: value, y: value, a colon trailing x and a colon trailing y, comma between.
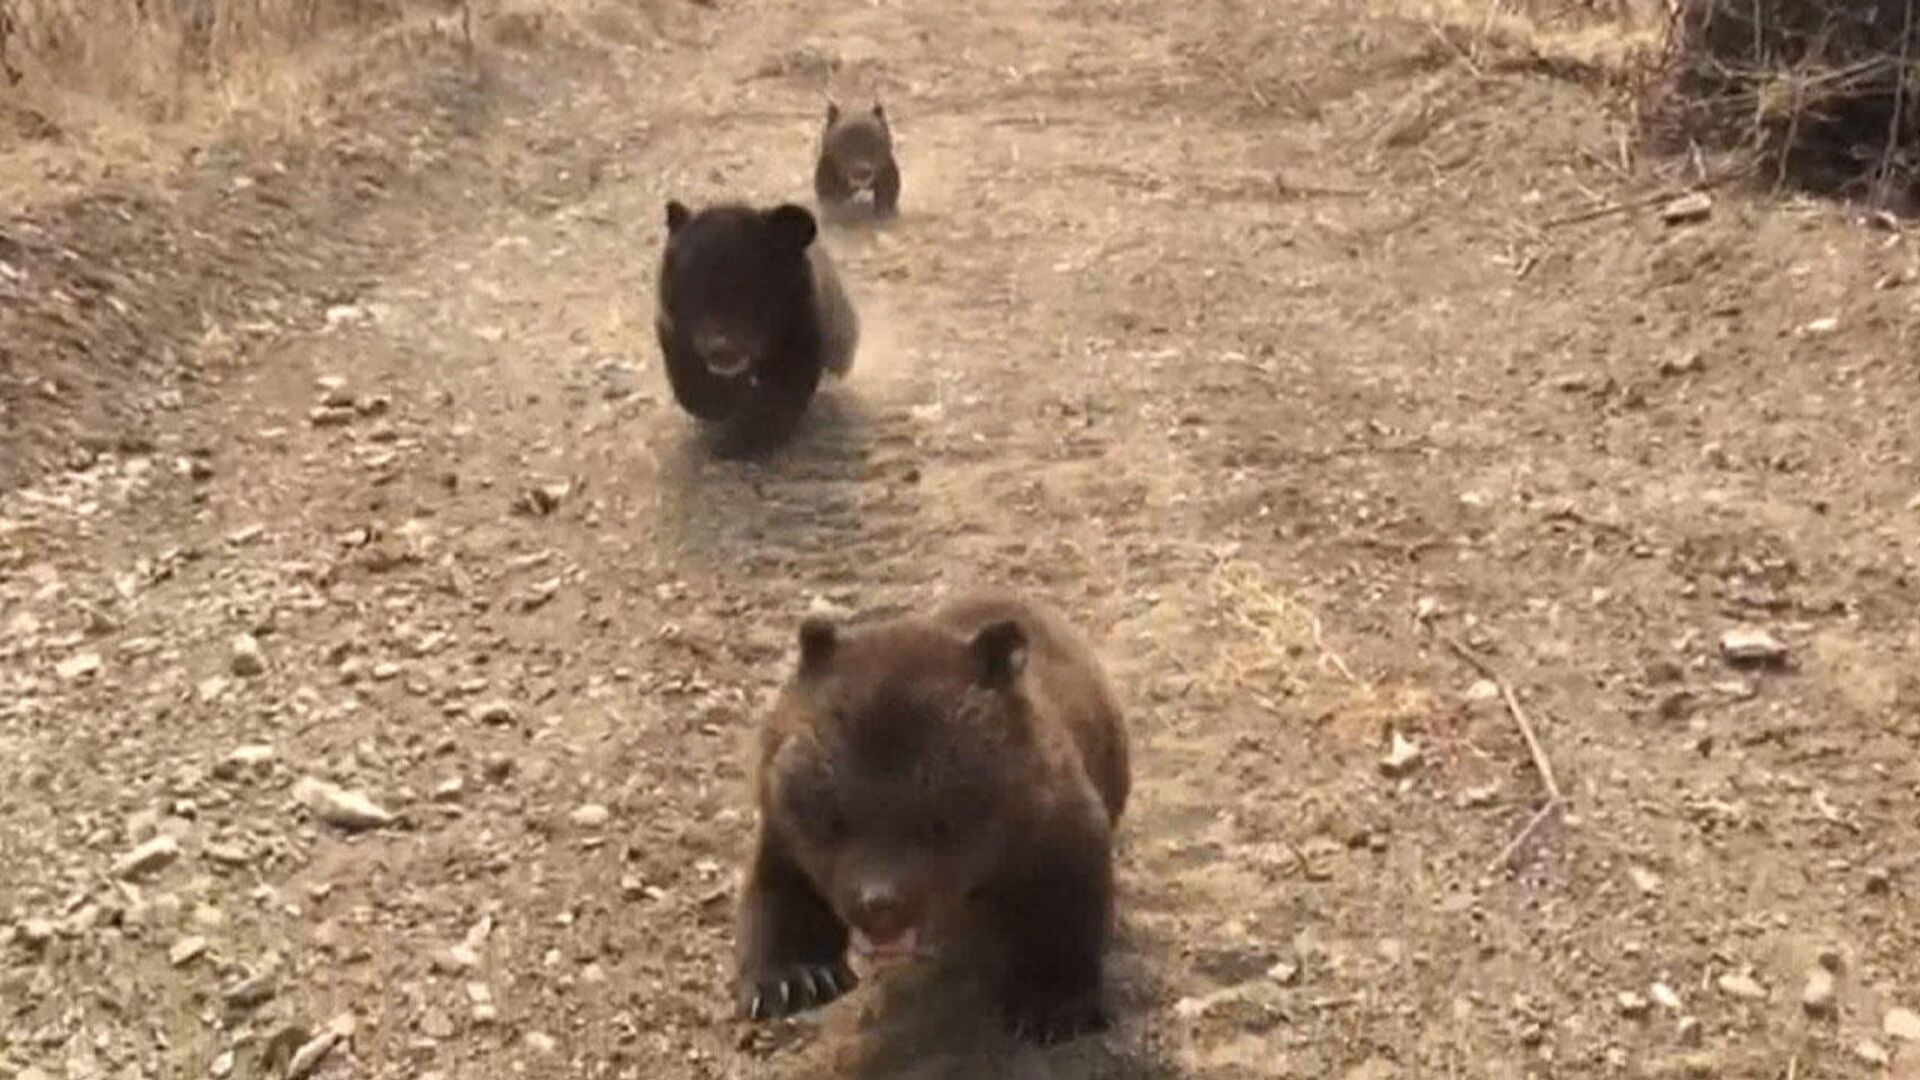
x: 1259, y: 362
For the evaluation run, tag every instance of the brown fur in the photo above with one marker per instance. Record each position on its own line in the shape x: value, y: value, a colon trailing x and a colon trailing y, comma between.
x: 939, y: 779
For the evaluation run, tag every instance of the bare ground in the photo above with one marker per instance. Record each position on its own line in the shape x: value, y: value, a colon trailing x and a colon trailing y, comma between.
x: 1233, y: 327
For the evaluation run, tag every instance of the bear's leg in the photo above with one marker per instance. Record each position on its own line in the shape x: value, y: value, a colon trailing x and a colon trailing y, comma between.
x: 886, y: 191
x: 791, y: 946
x: 1054, y: 918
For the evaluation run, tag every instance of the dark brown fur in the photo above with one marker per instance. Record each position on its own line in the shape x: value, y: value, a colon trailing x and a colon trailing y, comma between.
x: 856, y: 155
x: 938, y: 779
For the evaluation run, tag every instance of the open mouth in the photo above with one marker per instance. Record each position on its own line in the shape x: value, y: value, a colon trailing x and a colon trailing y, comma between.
x: 728, y: 367
x: 903, y: 948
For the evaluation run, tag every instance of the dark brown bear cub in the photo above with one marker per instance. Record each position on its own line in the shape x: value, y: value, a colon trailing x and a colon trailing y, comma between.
x: 751, y: 312
x: 929, y: 778
x: 856, y: 157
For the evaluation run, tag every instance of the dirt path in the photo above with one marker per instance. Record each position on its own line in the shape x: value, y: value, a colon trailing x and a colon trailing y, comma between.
x: 1137, y: 341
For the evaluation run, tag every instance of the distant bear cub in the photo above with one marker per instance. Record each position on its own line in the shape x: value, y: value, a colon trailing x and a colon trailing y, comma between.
x: 856, y: 156
x: 751, y: 312
x: 931, y: 776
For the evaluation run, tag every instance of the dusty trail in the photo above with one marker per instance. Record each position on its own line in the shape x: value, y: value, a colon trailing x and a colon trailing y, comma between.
x: 1238, y: 428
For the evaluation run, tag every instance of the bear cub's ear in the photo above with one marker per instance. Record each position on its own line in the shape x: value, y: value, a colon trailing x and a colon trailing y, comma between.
x: 792, y: 226
x: 999, y: 653
x: 677, y: 215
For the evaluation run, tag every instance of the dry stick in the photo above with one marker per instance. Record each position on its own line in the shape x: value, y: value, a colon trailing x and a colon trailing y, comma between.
x: 1555, y: 800
x: 1642, y: 203
x: 1899, y: 97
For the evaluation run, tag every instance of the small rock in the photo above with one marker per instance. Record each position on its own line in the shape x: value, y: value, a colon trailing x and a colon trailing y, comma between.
x: 1685, y: 364
x: 1664, y: 996
x: 309, y: 1056
x: 1483, y: 691
x: 1285, y: 973
x: 1645, y: 880
x: 1749, y: 645
x: 255, y: 758
x: 186, y: 951
x: 1878, y: 881
x: 1833, y: 960
x: 1820, y: 327
x: 1871, y: 1052
x: 591, y: 816
x: 1475, y: 798
x: 1693, y: 206
x: 249, y: 993
x: 1743, y: 987
x: 1689, y: 1031
x: 632, y: 887
x: 1402, y: 759
x: 339, y: 807
x: 496, y: 712
x: 541, y: 1043
x: 149, y: 858
x: 247, y: 660
x: 1632, y: 1004
x: 1902, y: 1025
x: 222, y: 1065
x: 36, y: 934
x: 449, y: 791
x: 81, y: 666
x: 435, y: 1024
x: 1817, y: 998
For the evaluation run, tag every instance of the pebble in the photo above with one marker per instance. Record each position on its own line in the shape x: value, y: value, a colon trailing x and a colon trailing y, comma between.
x: 497, y: 712
x: 1817, y: 998
x: 149, y: 858
x: 1664, y: 996
x: 339, y: 807
x: 1632, y: 1004
x: 1402, y: 759
x: 309, y: 1056
x: 1902, y: 1025
x: 450, y: 790
x: 1751, y: 645
x: 1871, y: 1052
x: 1693, y: 206
x: 1689, y: 1031
x: 36, y: 934
x: 541, y: 1043
x: 254, y: 758
x: 591, y: 816
x: 1645, y: 880
x: 186, y: 951
x: 247, y: 661
x: 250, y: 992
x: 1742, y: 986
x: 82, y: 666
x: 435, y: 1024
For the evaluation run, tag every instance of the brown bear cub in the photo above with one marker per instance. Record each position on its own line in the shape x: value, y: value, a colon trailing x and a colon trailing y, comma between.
x: 856, y: 157
x: 925, y: 778
x: 751, y: 313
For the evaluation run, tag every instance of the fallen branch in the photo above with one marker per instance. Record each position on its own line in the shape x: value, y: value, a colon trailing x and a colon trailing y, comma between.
x: 1642, y: 203
x: 1541, y: 764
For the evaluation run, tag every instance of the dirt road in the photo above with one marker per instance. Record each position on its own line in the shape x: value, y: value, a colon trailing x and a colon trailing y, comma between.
x: 1230, y: 326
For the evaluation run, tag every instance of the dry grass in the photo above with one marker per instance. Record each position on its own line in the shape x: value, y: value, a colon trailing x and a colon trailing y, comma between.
x: 124, y: 89
x: 1821, y: 91
x: 1618, y: 38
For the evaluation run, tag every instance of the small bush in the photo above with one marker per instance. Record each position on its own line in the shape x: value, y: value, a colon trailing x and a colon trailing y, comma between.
x: 1826, y: 93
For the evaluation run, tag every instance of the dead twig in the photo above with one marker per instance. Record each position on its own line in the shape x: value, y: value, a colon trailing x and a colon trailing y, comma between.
x: 1505, y: 858
x: 1642, y: 203
x: 1520, y: 718
x: 1556, y: 801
